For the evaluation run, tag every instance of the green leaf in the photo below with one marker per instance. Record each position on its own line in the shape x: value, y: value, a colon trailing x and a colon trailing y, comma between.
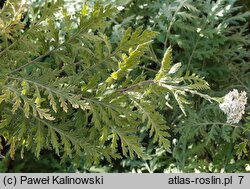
x: 39, y: 139
x: 165, y: 64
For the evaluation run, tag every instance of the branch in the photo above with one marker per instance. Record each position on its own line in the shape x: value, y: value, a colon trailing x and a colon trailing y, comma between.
x: 136, y: 85
x: 33, y: 61
x: 171, y: 24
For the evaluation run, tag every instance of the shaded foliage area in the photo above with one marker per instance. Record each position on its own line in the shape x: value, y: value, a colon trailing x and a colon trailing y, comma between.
x: 102, y: 89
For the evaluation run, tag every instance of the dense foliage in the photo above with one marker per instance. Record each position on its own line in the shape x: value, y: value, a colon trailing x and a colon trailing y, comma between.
x: 121, y: 86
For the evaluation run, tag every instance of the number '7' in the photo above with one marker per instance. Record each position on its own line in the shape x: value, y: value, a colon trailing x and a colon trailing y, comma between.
x: 241, y: 178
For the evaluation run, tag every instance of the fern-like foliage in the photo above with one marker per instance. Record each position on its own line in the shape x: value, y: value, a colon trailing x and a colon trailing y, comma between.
x: 66, y: 86
x: 211, y: 39
x: 46, y: 91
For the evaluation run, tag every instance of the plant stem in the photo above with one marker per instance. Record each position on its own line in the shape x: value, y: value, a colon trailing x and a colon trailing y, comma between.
x: 136, y: 85
x: 171, y: 24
